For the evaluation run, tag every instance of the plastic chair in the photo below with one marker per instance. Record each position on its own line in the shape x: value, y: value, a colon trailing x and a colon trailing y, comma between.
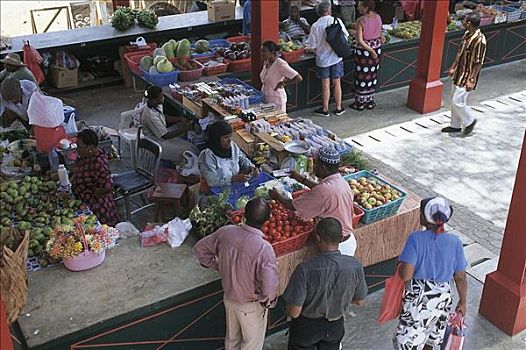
x: 126, y: 133
x: 142, y: 177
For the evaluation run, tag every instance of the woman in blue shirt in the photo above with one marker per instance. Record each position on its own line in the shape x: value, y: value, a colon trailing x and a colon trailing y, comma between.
x: 428, y: 263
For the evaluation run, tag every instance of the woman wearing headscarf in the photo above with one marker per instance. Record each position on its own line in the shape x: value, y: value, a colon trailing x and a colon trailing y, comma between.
x: 91, y: 178
x: 429, y: 261
x: 222, y: 162
x: 156, y: 126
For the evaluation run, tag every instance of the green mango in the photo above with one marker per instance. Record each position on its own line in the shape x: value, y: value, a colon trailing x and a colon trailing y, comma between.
x: 35, y: 232
x: 13, y: 185
x: 33, y: 243
x: 12, y: 192
x: 47, y: 231
x: 34, y: 188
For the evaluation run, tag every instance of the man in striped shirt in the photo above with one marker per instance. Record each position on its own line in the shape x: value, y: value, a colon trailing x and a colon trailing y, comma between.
x: 465, y: 72
x: 296, y: 26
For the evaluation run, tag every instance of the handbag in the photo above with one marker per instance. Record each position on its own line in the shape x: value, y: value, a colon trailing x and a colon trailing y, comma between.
x: 455, y: 333
x: 337, y: 39
x: 392, y: 299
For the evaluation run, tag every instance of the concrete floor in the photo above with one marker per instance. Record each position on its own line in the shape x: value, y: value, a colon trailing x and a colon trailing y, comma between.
x: 103, y: 106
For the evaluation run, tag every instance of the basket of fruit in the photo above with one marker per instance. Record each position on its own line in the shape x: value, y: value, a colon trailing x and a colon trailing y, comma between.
x: 161, y: 79
x: 284, y: 230
x: 189, y: 69
x: 237, y: 54
x: 205, y: 50
x: 214, y: 67
x: 290, y: 51
x: 375, y: 196
x: 133, y: 59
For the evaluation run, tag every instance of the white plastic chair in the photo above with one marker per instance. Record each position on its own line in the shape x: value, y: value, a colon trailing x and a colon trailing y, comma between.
x: 129, y: 134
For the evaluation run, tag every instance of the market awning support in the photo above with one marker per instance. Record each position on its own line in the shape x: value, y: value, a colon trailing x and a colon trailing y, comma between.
x: 504, y: 296
x: 263, y: 26
x: 425, y: 91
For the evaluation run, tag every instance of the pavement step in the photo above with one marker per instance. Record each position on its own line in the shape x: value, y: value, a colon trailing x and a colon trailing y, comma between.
x: 475, y: 254
x: 480, y: 271
x: 465, y: 239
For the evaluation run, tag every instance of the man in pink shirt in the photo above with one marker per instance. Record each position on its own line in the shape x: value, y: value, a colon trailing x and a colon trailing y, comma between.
x: 247, y: 265
x: 332, y: 197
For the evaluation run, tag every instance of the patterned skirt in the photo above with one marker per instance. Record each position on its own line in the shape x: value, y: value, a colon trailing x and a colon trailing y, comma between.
x: 424, y: 315
x: 366, y: 71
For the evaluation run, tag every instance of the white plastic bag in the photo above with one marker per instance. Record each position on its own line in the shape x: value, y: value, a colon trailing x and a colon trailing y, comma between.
x: 191, y: 166
x: 126, y: 229
x: 45, y: 111
x: 178, y: 230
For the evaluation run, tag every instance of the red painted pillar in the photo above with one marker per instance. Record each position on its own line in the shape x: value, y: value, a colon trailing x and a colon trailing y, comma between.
x: 504, y: 296
x: 5, y: 334
x: 425, y: 91
x: 263, y: 27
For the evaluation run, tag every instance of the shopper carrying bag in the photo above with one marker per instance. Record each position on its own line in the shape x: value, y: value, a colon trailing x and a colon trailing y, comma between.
x: 455, y: 332
x: 392, y: 299
x: 337, y: 38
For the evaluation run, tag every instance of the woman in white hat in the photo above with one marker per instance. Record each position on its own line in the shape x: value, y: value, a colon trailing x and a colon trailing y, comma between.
x: 431, y: 259
x: 14, y: 68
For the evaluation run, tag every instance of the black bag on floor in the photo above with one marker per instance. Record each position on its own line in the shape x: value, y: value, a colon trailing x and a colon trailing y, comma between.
x: 337, y: 39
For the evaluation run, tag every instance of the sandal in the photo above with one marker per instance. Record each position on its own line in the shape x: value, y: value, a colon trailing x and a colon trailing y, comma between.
x: 371, y: 105
x: 357, y: 106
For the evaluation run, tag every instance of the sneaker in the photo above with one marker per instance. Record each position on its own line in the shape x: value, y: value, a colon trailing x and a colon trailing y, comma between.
x: 321, y: 112
x: 339, y: 111
x: 451, y: 129
x: 468, y: 129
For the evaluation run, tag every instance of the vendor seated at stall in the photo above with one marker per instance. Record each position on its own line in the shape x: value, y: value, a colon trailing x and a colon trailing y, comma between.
x: 332, y: 197
x: 295, y: 26
x: 165, y: 129
x: 14, y: 101
x: 14, y: 68
x: 222, y: 162
x: 91, y: 178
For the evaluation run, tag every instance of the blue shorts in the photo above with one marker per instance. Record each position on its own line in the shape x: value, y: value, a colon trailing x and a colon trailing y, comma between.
x: 333, y: 72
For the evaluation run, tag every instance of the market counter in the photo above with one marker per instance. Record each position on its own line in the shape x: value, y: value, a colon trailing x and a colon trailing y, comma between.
x: 143, y: 298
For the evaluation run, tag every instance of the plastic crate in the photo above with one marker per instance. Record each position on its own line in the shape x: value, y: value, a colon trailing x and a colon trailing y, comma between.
x: 287, y: 245
x: 133, y: 59
x: 161, y: 79
x: 255, y: 97
x: 238, y: 66
x: 512, y: 13
x: 292, y: 56
x: 385, y: 210
x: 219, y: 69
x: 189, y: 75
x: 238, y: 190
x: 238, y: 39
x: 207, y: 56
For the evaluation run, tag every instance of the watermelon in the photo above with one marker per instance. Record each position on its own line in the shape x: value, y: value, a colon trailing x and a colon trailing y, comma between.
x: 146, y: 62
x: 202, y: 46
x: 158, y: 59
x: 153, y: 70
x: 169, y: 50
x: 183, y: 48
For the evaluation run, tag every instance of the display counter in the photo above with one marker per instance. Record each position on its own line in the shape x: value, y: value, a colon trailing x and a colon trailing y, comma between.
x: 158, y: 297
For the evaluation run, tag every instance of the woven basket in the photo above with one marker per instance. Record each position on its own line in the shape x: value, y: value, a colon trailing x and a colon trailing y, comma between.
x: 13, y: 275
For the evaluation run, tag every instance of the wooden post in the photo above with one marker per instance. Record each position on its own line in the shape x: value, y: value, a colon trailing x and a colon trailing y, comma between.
x: 263, y: 26
x: 425, y: 91
x: 504, y: 295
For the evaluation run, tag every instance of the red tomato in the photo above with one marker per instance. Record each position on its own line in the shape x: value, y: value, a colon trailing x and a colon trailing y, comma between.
x: 298, y: 229
x: 273, y: 232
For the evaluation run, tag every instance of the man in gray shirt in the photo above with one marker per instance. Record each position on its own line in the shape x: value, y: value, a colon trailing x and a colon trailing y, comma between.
x: 320, y: 291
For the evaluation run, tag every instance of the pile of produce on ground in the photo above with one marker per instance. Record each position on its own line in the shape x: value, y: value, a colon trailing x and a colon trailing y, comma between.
x: 35, y: 205
x: 368, y: 193
x: 124, y: 17
x: 236, y: 51
x: 407, y: 30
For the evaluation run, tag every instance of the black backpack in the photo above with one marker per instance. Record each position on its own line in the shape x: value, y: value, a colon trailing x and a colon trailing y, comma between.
x: 337, y: 39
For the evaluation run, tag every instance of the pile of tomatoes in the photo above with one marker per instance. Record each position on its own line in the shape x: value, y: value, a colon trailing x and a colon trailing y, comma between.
x: 282, y: 225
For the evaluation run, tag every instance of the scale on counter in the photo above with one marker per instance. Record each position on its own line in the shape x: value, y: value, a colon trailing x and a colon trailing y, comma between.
x: 296, y: 160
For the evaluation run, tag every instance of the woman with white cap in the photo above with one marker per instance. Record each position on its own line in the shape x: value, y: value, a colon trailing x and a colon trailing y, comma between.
x: 15, y: 68
x: 428, y: 263
x: 332, y: 197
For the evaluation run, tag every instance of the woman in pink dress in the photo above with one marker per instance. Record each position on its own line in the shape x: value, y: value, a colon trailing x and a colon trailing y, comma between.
x: 369, y: 39
x: 275, y: 75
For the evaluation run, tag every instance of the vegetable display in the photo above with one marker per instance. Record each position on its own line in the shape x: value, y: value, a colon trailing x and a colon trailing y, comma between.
x: 124, y: 17
x: 407, y: 30
x: 368, y: 193
x: 236, y: 51
x: 212, y: 217
x: 121, y: 20
x: 184, y: 64
x: 288, y: 46
x: 147, y: 18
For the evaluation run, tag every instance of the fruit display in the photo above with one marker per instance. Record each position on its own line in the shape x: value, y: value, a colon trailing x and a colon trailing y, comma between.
x: 369, y: 193
x: 487, y: 11
x: 124, y: 17
x: 14, y: 135
x: 185, y: 64
x: 407, y: 30
x: 283, y: 224
x: 202, y: 46
x: 157, y: 64
x: 288, y: 46
x: 236, y: 51
x: 34, y: 204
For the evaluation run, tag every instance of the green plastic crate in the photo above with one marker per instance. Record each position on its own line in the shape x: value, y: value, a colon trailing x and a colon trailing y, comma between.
x: 378, y: 213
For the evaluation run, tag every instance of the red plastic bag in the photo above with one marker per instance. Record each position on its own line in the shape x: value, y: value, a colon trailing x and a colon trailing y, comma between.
x: 33, y: 60
x: 456, y: 332
x: 392, y: 299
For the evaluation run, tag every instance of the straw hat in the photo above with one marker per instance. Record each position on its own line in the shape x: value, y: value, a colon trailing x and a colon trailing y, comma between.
x: 13, y: 59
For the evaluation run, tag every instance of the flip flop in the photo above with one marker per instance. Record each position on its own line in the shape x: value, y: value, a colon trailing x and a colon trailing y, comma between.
x: 371, y: 105
x: 357, y: 106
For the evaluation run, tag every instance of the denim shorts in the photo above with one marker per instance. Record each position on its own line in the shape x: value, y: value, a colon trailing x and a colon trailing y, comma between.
x: 333, y: 72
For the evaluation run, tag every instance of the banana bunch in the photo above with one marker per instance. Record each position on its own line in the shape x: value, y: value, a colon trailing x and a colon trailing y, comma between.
x: 261, y: 154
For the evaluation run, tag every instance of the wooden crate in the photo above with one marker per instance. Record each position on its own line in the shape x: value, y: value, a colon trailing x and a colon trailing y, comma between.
x: 246, y: 141
x: 194, y: 107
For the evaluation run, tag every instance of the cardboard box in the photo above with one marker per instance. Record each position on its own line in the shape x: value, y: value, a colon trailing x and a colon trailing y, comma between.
x: 221, y: 10
x: 63, y: 78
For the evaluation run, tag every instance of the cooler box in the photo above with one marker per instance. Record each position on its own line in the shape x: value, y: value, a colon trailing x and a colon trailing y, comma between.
x: 47, y: 138
x: 70, y: 120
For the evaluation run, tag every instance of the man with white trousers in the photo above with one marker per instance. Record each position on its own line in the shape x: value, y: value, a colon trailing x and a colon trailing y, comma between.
x: 465, y: 72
